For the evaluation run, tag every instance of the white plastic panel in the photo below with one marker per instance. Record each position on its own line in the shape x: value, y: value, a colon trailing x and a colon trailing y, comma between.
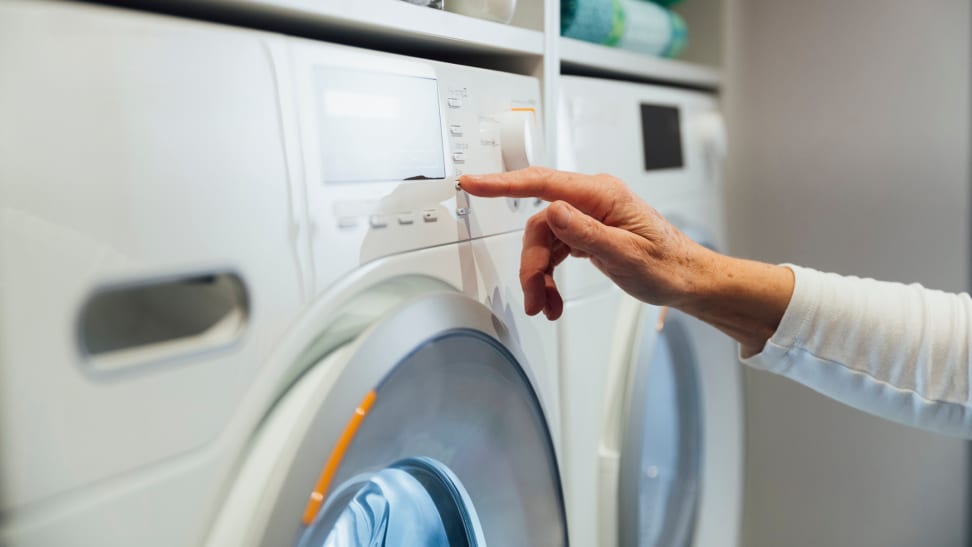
x: 136, y: 148
x: 586, y: 332
x: 720, y: 507
x: 579, y: 278
x: 356, y: 223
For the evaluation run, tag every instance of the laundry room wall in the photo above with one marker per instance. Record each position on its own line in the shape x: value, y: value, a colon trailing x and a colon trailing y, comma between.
x: 849, y: 131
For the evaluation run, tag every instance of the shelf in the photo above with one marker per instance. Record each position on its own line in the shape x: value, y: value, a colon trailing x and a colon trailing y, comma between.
x: 578, y: 57
x: 392, y: 25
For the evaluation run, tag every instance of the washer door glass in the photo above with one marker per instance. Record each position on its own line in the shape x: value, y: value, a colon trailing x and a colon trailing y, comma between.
x: 416, y: 501
x: 454, y: 451
x: 662, y: 455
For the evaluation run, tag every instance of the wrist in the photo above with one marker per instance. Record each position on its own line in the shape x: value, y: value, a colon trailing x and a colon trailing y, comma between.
x: 699, y: 278
x: 743, y: 298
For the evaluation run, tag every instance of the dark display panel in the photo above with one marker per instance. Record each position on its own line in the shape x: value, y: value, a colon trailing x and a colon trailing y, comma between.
x: 661, y: 137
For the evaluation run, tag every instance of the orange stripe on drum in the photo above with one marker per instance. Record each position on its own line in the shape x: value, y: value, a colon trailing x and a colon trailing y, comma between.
x: 334, y: 460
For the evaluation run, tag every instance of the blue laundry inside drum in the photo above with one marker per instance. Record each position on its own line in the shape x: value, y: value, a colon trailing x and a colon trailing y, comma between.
x: 414, y: 502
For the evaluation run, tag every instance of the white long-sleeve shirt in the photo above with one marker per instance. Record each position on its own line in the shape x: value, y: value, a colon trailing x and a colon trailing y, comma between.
x: 897, y: 351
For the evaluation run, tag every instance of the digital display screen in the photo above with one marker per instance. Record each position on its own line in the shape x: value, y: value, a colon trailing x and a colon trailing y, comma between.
x: 378, y: 127
x: 661, y: 137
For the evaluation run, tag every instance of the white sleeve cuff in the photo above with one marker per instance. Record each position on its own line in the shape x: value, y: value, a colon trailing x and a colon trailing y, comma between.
x: 793, y: 328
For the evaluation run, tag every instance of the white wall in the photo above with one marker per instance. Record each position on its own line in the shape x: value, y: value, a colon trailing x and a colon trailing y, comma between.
x: 849, y: 124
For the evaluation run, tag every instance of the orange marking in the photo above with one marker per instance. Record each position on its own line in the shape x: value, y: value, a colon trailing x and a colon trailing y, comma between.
x: 660, y: 325
x: 527, y: 109
x: 334, y: 461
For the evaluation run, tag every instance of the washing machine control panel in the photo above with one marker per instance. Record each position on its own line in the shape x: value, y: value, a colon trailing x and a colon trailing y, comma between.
x: 662, y: 141
x: 383, y: 139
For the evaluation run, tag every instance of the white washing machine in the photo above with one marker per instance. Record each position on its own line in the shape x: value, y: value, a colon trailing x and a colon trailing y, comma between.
x: 651, y: 398
x: 243, y: 302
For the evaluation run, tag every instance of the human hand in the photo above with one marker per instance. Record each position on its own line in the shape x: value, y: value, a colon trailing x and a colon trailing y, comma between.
x: 595, y: 217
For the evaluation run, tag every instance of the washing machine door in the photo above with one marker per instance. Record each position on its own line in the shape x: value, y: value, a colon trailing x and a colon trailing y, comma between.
x: 661, y: 456
x: 425, y: 430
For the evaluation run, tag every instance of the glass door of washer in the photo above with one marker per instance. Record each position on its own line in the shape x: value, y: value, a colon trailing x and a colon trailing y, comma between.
x: 431, y: 436
x: 661, y: 456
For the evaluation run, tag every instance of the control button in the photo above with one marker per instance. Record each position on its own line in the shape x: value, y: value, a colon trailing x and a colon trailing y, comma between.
x: 462, y: 211
x: 514, y: 204
x: 455, y: 102
x: 459, y: 172
x: 537, y: 202
x: 455, y: 130
x: 520, y: 139
x: 379, y: 221
x: 429, y: 215
x: 346, y: 223
x: 459, y: 157
x: 406, y: 218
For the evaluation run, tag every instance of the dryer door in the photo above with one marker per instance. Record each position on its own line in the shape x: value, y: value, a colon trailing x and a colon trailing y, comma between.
x: 425, y: 430
x: 661, y: 456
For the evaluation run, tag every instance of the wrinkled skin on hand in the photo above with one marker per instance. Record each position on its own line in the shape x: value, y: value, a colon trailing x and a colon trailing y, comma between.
x: 596, y: 217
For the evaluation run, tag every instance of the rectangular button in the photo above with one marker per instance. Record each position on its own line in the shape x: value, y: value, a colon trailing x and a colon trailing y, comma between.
x: 406, y: 219
x: 455, y: 130
x: 459, y: 157
x: 455, y: 102
x: 347, y: 222
x: 429, y: 215
x: 379, y: 221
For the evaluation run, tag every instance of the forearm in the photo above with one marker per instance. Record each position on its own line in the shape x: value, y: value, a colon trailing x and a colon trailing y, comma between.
x: 898, y: 351
x: 743, y: 298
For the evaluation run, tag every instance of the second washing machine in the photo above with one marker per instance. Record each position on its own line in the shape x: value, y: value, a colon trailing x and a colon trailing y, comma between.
x: 651, y: 397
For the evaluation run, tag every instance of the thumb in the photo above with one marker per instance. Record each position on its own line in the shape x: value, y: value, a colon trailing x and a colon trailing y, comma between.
x: 584, y: 233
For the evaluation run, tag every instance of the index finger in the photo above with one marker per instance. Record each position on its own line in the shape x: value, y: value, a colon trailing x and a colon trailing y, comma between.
x: 592, y: 195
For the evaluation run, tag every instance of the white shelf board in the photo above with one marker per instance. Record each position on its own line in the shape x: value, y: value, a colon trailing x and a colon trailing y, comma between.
x: 584, y: 57
x: 395, y: 20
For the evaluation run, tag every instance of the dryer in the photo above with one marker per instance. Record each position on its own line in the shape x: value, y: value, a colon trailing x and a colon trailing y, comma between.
x: 243, y: 302
x: 651, y: 398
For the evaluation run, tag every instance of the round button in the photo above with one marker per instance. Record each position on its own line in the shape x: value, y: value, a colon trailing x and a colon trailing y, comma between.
x: 514, y: 204
x: 521, y: 141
